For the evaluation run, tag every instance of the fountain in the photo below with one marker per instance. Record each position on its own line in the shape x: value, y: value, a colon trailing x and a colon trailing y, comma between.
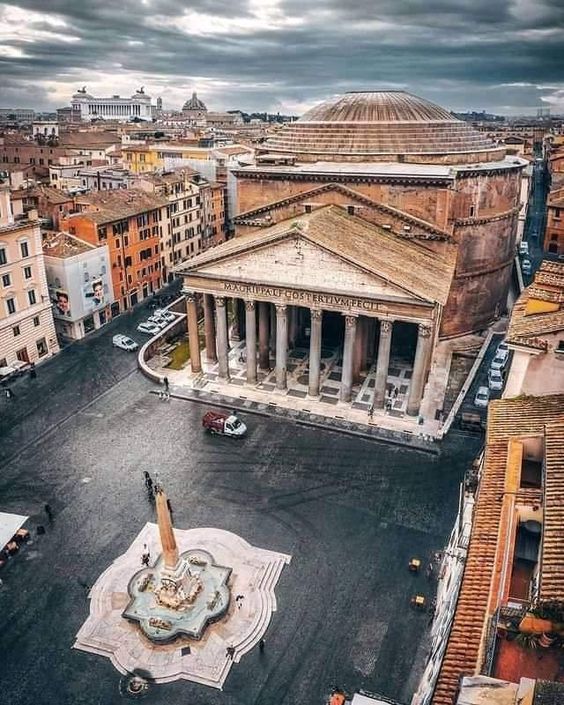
x: 181, y: 593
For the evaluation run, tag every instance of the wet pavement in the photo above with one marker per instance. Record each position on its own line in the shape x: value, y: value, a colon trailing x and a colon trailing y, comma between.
x: 351, y: 512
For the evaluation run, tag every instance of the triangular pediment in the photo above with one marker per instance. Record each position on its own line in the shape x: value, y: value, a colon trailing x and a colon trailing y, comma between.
x: 298, y: 263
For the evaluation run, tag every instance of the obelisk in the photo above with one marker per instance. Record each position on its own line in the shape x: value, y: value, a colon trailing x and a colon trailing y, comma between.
x: 164, y: 520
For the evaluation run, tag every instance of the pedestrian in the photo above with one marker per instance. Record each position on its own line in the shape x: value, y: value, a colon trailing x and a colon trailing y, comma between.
x: 395, y: 392
x: 169, y: 505
x: 165, y: 380
x: 145, y: 556
x: 49, y: 512
x: 429, y: 571
x: 230, y: 652
x: 371, y: 413
x: 261, y: 646
x: 9, y: 393
x: 32, y: 372
x: 388, y: 404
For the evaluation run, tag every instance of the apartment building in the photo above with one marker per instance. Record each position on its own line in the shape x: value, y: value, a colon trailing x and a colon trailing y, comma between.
x: 27, y: 330
x: 132, y: 224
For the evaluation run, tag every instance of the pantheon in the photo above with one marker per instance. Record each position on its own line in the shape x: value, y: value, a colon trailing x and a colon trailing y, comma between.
x: 378, y: 226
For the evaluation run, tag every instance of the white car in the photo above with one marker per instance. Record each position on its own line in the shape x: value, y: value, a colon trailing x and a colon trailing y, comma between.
x: 123, y: 342
x: 501, y: 347
x: 500, y: 360
x: 524, y: 248
x: 526, y: 266
x: 149, y: 328
x: 159, y: 322
x: 168, y: 316
x: 495, y: 380
x: 482, y: 397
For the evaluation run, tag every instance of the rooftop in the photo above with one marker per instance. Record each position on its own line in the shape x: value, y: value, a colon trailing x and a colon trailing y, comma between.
x: 539, y: 311
x: 356, y: 241
x: 508, y: 419
x: 108, y: 206
x: 63, y: 245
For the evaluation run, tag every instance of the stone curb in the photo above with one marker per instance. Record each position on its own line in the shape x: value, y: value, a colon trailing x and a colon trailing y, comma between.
x: 348, y: 428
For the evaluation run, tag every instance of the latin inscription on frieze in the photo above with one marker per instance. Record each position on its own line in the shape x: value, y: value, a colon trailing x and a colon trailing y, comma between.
x: 302, y: 298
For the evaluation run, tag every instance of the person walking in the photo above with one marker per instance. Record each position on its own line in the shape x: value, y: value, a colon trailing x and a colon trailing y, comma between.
x: 148, y: 483
x: 145, y: 556
x: 49, y: 512
x: 371, y: 414
x: 230, y: 652
x: 261, y: 646
x: 32, y: 371
x: 9, y: 393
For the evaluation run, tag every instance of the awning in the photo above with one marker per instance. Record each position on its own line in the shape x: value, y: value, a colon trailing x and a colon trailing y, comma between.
x: 9, y: 524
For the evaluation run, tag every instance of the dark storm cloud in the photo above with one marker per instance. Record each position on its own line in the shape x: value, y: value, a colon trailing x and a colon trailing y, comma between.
x: 263, y: 54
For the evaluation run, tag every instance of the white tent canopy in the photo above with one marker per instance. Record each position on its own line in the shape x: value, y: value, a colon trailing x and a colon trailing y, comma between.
x: 9, y: 524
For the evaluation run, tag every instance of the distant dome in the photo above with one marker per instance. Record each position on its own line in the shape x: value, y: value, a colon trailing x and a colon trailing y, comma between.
x: 194, y: 104
x: 378, y: 126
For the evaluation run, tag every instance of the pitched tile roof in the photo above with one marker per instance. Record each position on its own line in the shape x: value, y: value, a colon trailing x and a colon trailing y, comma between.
x: 108, y: 206
x: 382, y: 253
x: 552, y: 562
x: 528, y: 329
x: 507, y: 419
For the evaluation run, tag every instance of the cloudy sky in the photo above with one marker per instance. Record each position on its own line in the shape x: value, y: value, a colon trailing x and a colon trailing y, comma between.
x: 504, y: 56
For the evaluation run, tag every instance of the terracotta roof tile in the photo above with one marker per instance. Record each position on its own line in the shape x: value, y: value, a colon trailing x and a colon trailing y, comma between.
x: 507, y: 419
x: 552, y: 565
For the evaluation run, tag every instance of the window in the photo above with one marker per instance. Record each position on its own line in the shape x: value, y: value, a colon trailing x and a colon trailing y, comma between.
x: 32, y: 297
x: 36, y: 321
x: 6, y: 280
x: 472, y: 209
x: 24, y: 247
x: 3, y: 258
x: 27, y: 272
x: 16, y: 330
x: 11, y: 306
x: 41, y: 347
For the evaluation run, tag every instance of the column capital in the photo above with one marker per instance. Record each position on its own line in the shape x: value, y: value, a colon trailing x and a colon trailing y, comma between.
x: 281, y: 309
x: 425, y: 330
x: 350, y: 320
x: 316, y: 314
x: 219, y: 301
x: 250, y: 305
x: 386, y: 326
x: 189, y: 294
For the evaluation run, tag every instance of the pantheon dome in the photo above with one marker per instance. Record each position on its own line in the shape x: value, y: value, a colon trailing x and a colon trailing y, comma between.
x: 381, y: 126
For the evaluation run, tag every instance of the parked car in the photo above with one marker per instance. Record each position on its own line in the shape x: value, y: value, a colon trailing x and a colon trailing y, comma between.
x: 526, y: 266
x: 501, y: 347
x: 524, y: 248
x: 495, y: 380
x: 158, y: 321
x: 500, y: 360
x: 168, y: 316
x: 482, y: 397
x: 123, y: 342
x: 149, y: 328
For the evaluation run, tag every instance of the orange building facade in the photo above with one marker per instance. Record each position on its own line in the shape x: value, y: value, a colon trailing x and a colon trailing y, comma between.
x: 131, y: 223
x: 554, y: 234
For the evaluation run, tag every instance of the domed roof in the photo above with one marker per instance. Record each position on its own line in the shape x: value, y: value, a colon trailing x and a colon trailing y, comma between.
x: 378, y: 126
x: 194, y: 104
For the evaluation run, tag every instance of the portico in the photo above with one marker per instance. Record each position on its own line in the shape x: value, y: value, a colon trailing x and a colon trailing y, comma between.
x: 300, y: 289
